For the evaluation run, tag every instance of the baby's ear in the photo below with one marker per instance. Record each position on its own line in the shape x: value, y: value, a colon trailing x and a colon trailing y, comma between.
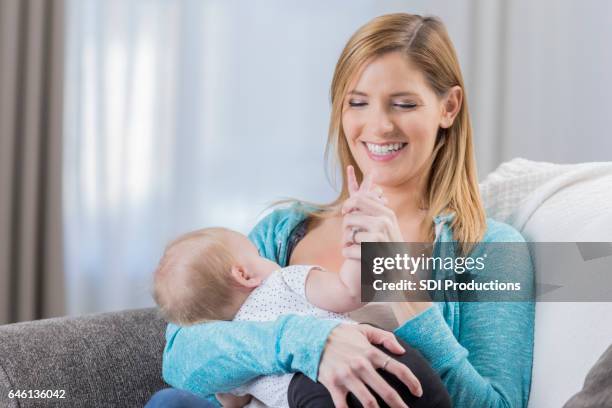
x: 243, y: 278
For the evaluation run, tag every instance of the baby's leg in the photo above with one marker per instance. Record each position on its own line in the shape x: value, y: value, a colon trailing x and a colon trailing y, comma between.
x: 305, y: 393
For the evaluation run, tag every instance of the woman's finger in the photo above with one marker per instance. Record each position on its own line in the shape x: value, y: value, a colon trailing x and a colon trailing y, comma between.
x: 382, y: 337
x: 364, y: 236
x: 363, y: 222
x: 352, y: 252
x: 390, y: 342
x: 381, y: 387
x: 366, y: 184
x: 378, y: 192
x: 405, y: 375
x: 353, y: 205
x: 354, y: 236
x: 350, y: 237
x: 338, y: 396
x: 356, y: 386
x: 353, y: 185
x: 366, y: 203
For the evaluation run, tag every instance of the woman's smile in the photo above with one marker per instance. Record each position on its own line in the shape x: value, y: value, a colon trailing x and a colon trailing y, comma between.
x: 384, y: 151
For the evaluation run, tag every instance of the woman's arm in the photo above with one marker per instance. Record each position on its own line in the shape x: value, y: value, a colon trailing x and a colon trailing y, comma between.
x: 219, y: 356
x: 488, y: 363
x: 499, y: 346
x: 498, y: 371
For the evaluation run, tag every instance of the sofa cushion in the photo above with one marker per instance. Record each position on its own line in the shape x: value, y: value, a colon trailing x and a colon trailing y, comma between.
x: 103, y: 360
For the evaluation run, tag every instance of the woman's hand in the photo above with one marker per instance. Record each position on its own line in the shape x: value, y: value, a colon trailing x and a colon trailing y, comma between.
x: 349, y: 363
x: 365, y: 211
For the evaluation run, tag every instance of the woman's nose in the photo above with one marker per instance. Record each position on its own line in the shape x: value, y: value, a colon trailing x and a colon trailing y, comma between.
x: 380, y: 123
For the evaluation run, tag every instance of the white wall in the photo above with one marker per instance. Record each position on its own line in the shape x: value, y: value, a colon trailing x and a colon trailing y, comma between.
x: 546, y: 85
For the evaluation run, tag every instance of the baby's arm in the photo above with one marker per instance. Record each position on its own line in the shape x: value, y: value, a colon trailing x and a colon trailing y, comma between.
x: 336, y: 292
x: 341, y: 292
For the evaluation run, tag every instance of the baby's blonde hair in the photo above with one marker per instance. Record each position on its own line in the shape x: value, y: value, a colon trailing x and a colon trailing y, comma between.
x: 192, y: 281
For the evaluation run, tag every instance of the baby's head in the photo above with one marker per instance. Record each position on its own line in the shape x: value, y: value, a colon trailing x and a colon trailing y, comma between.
x: 207, y: 274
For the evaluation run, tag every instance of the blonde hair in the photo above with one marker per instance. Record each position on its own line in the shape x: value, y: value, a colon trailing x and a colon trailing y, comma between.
x: 451, y: 184
x: 191, y: 282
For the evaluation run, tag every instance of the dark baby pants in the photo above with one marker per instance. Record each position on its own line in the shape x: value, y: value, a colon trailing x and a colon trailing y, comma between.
x: 305, y: 393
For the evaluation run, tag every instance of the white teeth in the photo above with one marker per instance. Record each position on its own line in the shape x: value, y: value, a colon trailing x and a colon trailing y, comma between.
x: 384, y: 149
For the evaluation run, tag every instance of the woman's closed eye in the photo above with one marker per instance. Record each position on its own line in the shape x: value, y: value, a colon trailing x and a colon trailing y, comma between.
x: 397, y: 105
x: 405, y: 105
x: 357, y: 104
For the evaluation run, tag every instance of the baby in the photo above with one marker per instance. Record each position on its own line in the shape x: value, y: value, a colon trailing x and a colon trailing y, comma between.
x: 218, y: 274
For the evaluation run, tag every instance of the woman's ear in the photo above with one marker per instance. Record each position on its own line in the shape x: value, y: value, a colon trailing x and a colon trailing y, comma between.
x: 243, y: 278
x: 451, y: 104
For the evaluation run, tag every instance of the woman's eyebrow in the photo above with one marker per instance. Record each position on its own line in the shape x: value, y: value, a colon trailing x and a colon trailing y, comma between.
x: 406, y: 93
x: 355, y: 92
x: 393, y: 95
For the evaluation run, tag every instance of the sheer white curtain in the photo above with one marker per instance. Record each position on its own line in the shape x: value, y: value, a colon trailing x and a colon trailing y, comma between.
x: 120, y: 148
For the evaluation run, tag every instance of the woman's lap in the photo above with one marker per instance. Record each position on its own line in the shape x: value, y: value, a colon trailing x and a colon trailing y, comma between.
x: 174, y: 398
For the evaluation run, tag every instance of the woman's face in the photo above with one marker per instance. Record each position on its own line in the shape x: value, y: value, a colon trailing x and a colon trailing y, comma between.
x: 391, y: 117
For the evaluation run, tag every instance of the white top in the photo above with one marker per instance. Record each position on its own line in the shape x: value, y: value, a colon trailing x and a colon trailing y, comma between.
x: 283, y: 292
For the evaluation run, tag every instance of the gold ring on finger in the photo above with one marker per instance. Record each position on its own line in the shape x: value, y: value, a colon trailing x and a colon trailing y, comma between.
x: 384, y: 367
x: 355, y: 231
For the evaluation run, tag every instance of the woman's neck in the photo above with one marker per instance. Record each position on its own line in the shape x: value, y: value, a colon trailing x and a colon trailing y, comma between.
x: 402, y: 203
x: 406, y: 200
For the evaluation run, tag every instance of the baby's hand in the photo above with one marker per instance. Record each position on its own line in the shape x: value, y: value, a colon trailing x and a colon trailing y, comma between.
x: 233, y: 401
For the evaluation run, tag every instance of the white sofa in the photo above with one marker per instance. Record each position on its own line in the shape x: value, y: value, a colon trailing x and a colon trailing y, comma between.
x: 550, y: 203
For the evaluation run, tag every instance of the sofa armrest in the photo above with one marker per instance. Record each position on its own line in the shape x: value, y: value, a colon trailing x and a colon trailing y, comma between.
x: 102, y: 360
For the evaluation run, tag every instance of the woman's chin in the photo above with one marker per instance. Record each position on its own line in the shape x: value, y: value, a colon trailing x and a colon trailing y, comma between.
x: 387, y: 174
x: 384, y: 180
x: 392, y: 179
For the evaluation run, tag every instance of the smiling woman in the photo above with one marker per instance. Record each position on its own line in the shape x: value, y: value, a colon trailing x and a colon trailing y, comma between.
x: 400, y: 127
x: 399, y: 82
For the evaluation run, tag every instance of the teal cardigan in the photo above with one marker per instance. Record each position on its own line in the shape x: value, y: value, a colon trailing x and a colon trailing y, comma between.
x: 483, y: 351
